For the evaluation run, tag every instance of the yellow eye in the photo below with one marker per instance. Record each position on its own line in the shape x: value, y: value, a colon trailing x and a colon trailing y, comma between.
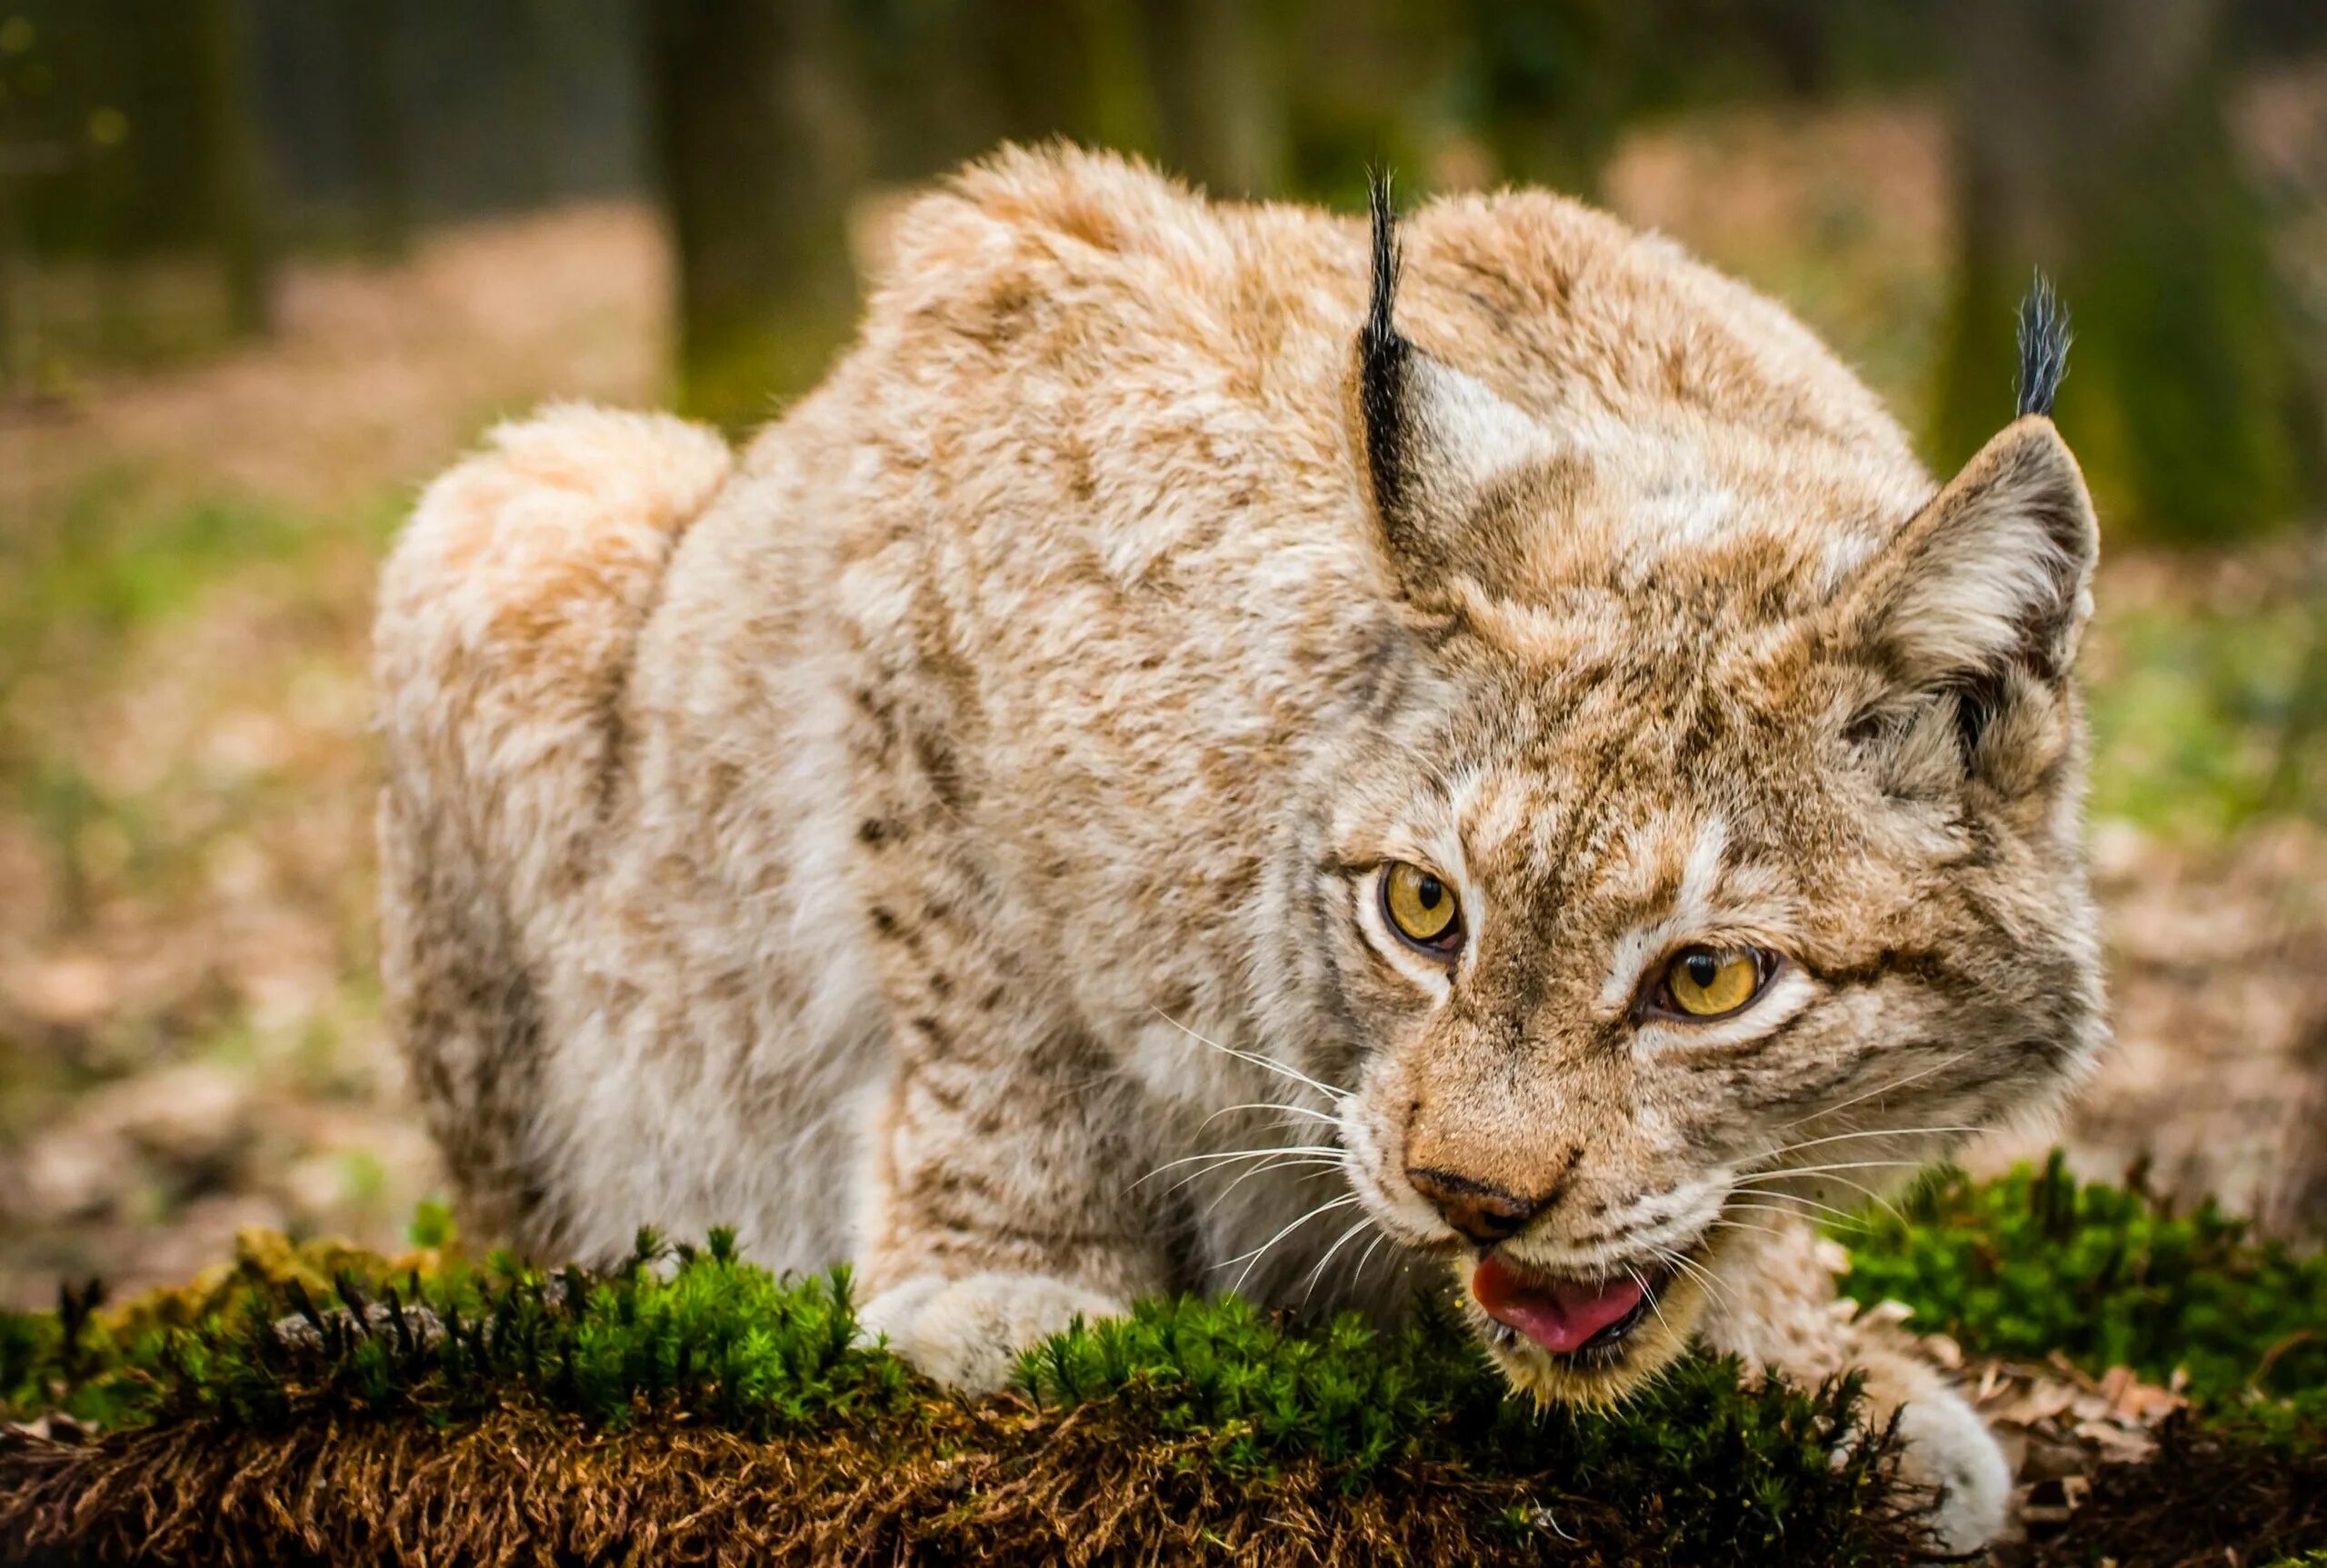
x: 1421, y: 908
x: 1707, y: 982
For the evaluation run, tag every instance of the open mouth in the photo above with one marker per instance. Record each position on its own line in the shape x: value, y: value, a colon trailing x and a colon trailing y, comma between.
x: 1567, y: 1316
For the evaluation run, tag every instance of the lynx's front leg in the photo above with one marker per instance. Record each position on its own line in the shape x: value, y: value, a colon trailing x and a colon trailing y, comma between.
x: 1002, y: 1203
x: 1778, y: 1312
x: 1000, y: 1209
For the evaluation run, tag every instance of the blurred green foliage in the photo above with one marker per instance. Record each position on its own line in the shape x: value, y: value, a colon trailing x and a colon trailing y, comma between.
x: 2036, y: 1262
x: 113, y: 561
x: 2202, y: 723
x: 91, y: 585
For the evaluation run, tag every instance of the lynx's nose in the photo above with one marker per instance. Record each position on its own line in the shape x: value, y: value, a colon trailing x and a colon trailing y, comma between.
x: 1480, y: 1210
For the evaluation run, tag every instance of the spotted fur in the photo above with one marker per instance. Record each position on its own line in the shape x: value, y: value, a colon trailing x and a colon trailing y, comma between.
x: 947, y: 837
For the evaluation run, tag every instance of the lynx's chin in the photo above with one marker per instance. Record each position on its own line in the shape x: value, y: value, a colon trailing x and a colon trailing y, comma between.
x: 1574, y: 1340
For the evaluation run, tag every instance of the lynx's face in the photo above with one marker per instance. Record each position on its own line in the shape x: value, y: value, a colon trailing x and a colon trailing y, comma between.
x: 1642, y: 954
x: 1734, y: 879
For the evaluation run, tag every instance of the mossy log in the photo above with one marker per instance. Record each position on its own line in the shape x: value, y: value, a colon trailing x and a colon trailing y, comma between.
x: 1004, y: 1483
x: 314, y: 1403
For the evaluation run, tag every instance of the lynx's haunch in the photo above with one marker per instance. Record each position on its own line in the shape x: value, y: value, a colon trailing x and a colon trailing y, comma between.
x: 1220, y: 751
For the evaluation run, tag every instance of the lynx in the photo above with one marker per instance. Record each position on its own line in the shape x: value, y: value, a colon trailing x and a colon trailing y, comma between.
x: 1225, y: 748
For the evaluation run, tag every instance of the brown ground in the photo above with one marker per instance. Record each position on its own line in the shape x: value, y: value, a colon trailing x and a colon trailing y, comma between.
x: 189, y: 1039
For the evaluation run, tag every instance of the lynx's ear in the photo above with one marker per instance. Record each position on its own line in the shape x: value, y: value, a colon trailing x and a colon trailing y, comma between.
x: 1998, y: 569
x: 1980, y: 601
x: 1435, y: 439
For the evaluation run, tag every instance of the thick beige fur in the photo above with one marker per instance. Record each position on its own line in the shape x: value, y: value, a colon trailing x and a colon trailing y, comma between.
x: 948, y: 836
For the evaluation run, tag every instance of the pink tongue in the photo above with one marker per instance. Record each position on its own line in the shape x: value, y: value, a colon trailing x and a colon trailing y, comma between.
x: 1558, y: 1316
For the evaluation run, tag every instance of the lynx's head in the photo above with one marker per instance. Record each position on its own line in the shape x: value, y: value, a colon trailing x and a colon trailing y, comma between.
x: 1721, y: 861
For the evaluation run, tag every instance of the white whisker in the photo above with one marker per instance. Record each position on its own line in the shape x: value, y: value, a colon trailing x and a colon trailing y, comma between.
x: 1849, y: 1165
x: 1778, y: 1153
x: 1252, y: 1260
x: 1880, y: 1090
x: 1222, y: 1157
x: 1713, y: 1287
x: 1265, y: 1063
x: 1844, y: 1216
x: 1318, y: 1272
x: 1221, y: 1196
x: 1751, y: 1188
x: 1269, y: 1105
x: 1650, y: 1296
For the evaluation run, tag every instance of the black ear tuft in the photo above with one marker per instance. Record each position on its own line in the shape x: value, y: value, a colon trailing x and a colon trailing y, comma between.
x: 1384, y: 356
x: 1436, y: 440
x: 2043, y: 346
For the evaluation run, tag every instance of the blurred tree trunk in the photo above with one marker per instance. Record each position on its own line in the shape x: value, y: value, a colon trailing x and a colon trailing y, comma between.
x: 375, y: 115
x: 2298, y: 1207
x: 1798, y: 38
x: 14, y: 368
x: 16, y: 155
x: 759, y: 141
x: 535, y: 29
x: 2092, y: 143
x: 231, y: 160
x: 1072, y: 69
x: 1557, y: 84
x: 1219, y: 95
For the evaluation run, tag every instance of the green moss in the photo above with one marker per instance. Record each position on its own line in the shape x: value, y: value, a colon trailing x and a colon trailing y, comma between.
x: 2027, y: 1264
x: 1261, y: 1392
x: 2035, y: 1261
x: 718, y: 1337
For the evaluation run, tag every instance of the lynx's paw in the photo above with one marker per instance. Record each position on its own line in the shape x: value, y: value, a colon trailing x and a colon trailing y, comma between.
x: 1950, y: 1450
x: 967, y: 1333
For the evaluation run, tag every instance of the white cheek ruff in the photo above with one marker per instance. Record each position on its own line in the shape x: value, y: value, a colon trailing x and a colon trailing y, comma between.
x: 1787, y: 994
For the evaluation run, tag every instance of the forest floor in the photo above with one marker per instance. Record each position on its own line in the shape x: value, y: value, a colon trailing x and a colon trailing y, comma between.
x: 190, y: 1041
